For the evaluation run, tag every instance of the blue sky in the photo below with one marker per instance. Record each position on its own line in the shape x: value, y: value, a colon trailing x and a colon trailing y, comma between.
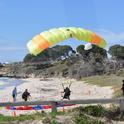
x: 20, y: 20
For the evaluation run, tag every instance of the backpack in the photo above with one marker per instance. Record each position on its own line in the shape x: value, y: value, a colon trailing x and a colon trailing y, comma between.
x: 67, y: 91
x: 23, y: 95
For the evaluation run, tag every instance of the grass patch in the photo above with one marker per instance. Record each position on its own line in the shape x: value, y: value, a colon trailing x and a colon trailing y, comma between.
x: 47, y: 117
x: 120, y: 72
x: 111, y: 80
x: 105, y: 80
x: 36, y: 116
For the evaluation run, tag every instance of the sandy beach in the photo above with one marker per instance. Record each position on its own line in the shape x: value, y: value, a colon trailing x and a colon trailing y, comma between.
x: 50, y: 89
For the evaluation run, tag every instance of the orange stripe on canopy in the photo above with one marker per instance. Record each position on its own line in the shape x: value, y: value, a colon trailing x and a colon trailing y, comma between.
x: 40, y: 42
x: 95, y: 39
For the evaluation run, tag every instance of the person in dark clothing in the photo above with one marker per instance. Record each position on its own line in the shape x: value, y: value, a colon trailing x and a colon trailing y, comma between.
x: 26, y: 95
x: 67, y: 93
x: 123, y: 87
x: 14, y: 94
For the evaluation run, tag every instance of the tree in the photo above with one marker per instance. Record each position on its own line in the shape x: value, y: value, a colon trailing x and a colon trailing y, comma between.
x: 63, y: 50
x: 80, y: 50
x: 95, y: 53
x: 98, y: 52
x: 49, y: 54
x: 117, y: 51
x: 43, y: 56
x: 28, y: 58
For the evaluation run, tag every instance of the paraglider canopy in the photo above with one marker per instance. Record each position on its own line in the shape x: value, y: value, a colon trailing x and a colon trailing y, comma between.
x: 54, y: 36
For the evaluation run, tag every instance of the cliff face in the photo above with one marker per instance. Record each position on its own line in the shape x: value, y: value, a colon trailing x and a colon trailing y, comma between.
x: 73, y: 68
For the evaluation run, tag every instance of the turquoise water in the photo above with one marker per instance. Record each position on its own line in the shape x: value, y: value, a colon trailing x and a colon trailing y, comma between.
x: 7, y: 82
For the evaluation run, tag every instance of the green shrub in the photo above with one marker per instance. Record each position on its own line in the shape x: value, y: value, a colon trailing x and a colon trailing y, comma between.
x: 96, y: 110
x: 82, y: 119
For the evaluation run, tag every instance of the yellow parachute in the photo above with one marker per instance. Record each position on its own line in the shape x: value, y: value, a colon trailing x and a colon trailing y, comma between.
x: 53, y: 36
x: 67, y: 83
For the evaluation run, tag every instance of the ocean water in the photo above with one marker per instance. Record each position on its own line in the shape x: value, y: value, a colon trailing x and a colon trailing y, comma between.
x: 7, y: 82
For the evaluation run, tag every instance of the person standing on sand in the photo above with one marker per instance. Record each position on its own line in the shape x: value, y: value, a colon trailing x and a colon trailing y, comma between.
x: 14, y: 94
x: 67, y: 92
x: 123, y: 87
x: 26, y: 95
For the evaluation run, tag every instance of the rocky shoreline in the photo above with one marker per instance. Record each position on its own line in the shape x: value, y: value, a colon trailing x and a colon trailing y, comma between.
x: 74, y: 68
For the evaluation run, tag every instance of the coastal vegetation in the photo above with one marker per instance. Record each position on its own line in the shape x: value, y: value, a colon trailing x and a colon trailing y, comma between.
x: 93, y: 114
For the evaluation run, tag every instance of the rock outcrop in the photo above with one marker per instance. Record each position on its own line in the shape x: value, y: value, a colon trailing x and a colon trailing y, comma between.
x: 74, y: 67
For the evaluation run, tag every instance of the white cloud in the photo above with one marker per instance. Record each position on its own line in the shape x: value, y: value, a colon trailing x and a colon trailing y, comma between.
x: 111, y: 37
